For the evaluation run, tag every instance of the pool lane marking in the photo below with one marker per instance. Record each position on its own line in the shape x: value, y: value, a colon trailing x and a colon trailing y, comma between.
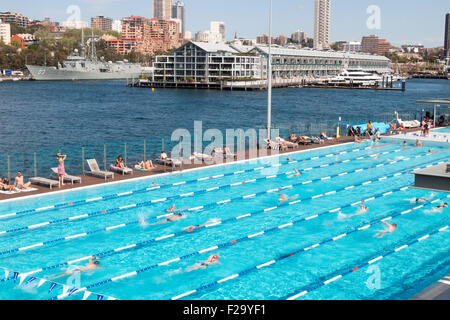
x: 147, y: 189
x: 149, y: 203
x: 109, y: 252
x: 67, y: 290
x: 199, y: 208
x: 304, y: 249
x: 312, y: 287
x: 232, y: 243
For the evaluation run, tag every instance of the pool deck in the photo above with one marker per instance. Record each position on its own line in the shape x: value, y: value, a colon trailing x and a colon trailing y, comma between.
x: 88, y: 181
x: 438, y: 291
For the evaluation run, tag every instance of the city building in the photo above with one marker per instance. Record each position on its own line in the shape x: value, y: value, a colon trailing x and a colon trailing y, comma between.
x: 188, y: 35
x: 75, y: 24
x: 101, y: 23
x: 199, y: 62
x: 352, y: 46
x: 5, y: 32
x: 162, y: 9
x: 23, y: 40
x: 179, y: 12
x: 373, y: 45
x: 117, y: 26
x: 413, y: 48
x: 447, y: 36
x: 322, y: 24
x: 299, y: 37
x: 218, y: 27
x: 263, y: 39
x: 15, y: 18
x: 281, y: 40
x: 147, y: 36
x: 52, y: 26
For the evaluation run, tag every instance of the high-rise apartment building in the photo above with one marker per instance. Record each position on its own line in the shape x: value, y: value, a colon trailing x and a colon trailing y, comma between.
x: 322, y: 24
x: 447, y: 36
x: 162, y: 9
x: 5, y: 32
x: 179, y: 13
x: 15, y: 18
x: 372, y: 44
x: 101, y: 23
x: 218, y: 27
x: 298, y: 36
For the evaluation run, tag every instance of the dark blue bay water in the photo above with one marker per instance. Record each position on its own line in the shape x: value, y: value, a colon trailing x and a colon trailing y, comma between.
x: 38, y: 115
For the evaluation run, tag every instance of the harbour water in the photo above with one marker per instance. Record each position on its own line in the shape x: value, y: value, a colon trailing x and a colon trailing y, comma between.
x: 36, y: 115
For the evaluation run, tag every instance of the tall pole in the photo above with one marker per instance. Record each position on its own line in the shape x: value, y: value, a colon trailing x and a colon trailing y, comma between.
x: 269, y: 77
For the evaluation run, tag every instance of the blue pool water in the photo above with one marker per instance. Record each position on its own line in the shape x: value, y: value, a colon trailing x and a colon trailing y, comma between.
x: 446, y: 129
x: 333, y: 182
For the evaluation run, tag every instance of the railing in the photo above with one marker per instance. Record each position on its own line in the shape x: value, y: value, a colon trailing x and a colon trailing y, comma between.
x: 39, y: 162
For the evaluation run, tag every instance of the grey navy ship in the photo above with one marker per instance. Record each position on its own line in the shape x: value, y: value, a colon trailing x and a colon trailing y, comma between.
x: 82, y: 66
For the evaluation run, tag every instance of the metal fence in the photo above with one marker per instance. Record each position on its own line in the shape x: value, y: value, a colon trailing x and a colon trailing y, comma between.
x: 40, y: 162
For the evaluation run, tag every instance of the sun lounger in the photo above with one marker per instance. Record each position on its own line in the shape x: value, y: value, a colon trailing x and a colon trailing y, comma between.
x: 95, y: 170
x: 122, y: 171
x: 409, y: 124
x: 170, y: 163
x: 67, y: 177
x: 45, y: 182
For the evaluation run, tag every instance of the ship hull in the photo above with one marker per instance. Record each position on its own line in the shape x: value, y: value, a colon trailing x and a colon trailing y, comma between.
x: 42, y: 73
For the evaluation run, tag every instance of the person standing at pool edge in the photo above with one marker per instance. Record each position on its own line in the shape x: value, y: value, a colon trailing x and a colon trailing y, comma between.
x: 61, y: 169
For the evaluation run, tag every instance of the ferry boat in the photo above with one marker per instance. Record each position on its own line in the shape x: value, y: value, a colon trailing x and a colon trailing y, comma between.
x: 356, y: 77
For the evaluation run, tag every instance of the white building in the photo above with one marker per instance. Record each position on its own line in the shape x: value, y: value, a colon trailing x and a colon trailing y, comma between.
x: 218, y: 27
x: 117, y: 26
x: 208, y: 36
x: 207, y: 63
x: 352, y: 46
x: 5, y: 32
x: 322, y: 24
x: 299, y: 36
x: 74, y: 24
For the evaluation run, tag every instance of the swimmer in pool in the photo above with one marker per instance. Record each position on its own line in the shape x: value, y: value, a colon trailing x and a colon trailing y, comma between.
x: 442, y: 206
x: 169, y: 219
x: 404, y: 143
x: 192, y: 228
x: 421, y: 200
x: 92, y: 265
x: 296, y: 174
x: 157, y: 184
x: 390, y: 229
x: 376, y: 156
x: 171, y: 209
x: 203, y: 265
x: 284, y: 198
x: 362, y: 210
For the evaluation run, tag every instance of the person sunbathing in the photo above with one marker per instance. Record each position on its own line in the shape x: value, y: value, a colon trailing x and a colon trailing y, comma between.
x: 164, y: 157
x: 200, y: 156
x: 19, y: 183
x: 147, y: 165
x: 4, y: 185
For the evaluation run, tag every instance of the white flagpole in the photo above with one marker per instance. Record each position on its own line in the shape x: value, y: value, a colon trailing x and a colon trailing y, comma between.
x: 269, y: 77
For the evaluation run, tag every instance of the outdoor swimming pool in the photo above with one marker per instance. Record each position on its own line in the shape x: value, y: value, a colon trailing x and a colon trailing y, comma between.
x: 304, y: 248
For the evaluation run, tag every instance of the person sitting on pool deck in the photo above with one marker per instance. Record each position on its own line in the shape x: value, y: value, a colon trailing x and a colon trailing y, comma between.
x: 119, y: 162
x: 19, y: 183
x: 203, y: 265
x: 92, y: 265
x: 390, y: 228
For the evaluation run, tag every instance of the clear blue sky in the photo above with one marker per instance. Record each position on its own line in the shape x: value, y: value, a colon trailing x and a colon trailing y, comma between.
x: 402, y: 21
